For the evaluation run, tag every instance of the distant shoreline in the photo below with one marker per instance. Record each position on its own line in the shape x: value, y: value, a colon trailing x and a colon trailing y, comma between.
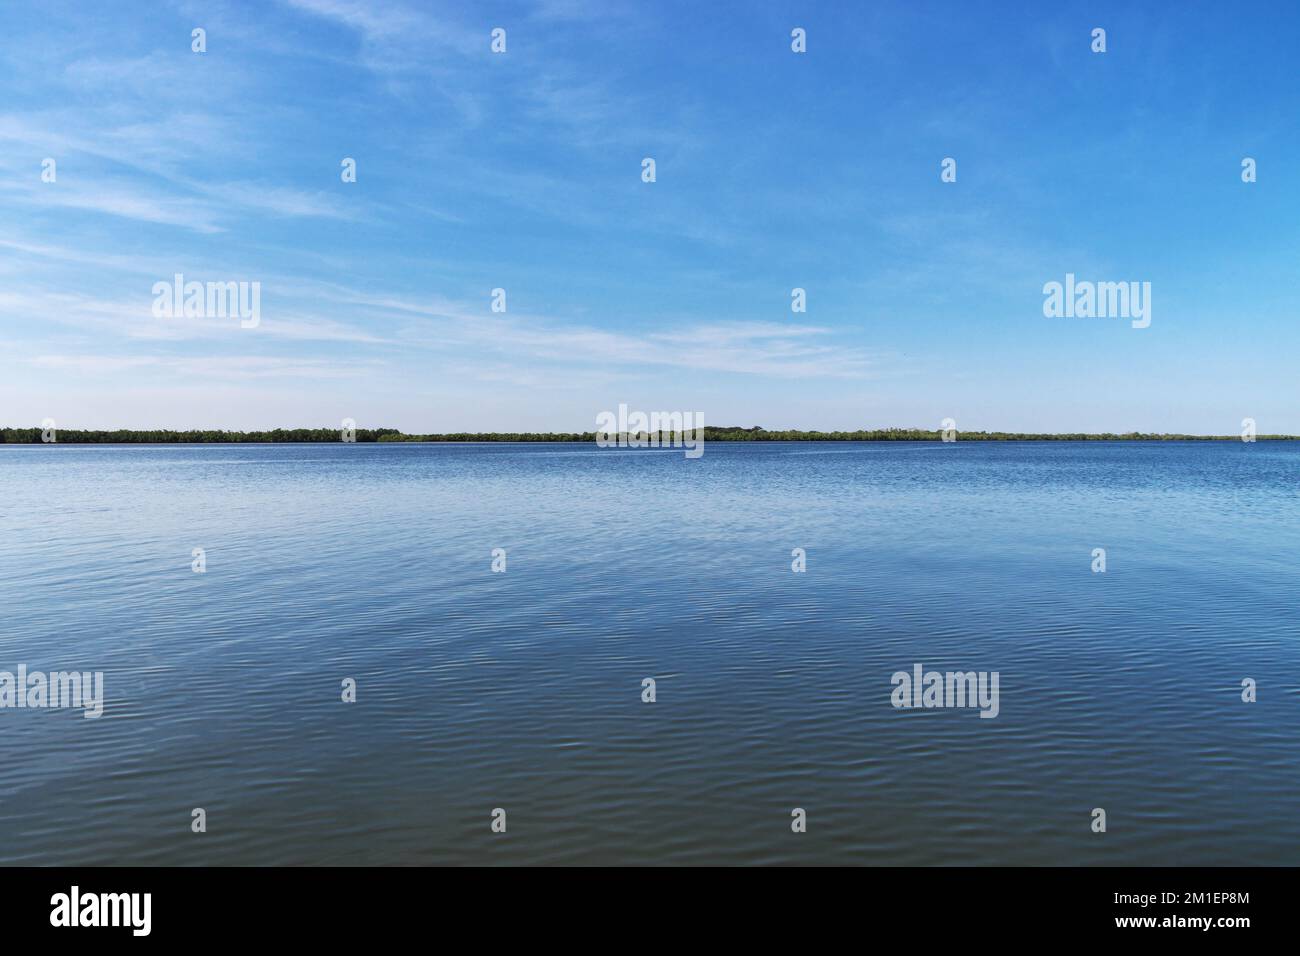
x: 290, y: 436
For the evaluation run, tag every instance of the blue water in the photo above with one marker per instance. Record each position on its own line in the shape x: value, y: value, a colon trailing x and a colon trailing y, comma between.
x: 522, y: 690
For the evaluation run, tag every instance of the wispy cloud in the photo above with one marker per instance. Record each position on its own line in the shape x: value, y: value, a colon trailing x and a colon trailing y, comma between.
x: 756, y: 348
x: 132, y: 318
x: 226, y: 368
x: 395, y: 36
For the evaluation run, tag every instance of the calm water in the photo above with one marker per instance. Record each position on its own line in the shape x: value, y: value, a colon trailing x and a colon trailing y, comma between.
x: 522, y: 690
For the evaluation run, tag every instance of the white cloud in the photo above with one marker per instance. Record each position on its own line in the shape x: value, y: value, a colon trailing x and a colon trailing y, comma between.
x: 224, y: 367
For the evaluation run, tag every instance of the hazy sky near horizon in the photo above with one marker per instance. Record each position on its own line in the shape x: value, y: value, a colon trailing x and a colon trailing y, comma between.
x: 774, y: 170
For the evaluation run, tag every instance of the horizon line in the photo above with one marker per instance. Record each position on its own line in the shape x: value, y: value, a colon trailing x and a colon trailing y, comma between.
x: 49, y: 433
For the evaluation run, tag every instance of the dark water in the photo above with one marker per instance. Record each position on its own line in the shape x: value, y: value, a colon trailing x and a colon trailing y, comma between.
x: 522, y: 690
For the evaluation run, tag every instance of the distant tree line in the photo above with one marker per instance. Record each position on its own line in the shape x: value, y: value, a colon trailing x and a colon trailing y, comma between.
x: 79, y: 436
x: 74, y: 436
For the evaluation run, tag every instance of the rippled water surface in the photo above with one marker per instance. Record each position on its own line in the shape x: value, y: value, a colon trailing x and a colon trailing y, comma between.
x: 522, y: 690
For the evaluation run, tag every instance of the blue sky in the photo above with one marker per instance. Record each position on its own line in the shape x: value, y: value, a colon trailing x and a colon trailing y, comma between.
x: 775, y: 170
